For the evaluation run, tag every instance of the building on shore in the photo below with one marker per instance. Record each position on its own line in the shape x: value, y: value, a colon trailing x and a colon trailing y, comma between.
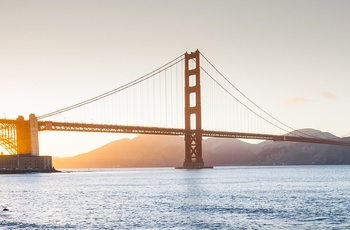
x: 25, y: 162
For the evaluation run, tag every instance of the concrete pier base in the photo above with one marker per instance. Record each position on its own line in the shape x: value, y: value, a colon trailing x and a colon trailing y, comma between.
x: 194, y: 165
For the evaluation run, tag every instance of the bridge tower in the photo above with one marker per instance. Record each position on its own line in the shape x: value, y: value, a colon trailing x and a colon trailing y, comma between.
x: 193, y: 112
x: 27, y: 135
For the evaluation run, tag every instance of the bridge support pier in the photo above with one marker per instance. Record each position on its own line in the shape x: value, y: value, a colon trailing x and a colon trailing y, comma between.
x: 193, y: 113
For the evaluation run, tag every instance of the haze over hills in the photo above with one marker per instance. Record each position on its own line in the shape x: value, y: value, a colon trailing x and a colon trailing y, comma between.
x: 168, y: 151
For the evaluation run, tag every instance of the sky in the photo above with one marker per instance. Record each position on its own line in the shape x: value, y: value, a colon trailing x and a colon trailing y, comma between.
x: 291, y: 57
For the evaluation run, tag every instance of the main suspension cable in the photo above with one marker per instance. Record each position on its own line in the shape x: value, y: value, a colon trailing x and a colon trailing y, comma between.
x: 116, y: 90
x: 293, y: 130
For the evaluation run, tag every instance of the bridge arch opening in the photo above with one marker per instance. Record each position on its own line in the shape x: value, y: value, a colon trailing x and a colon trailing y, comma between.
x: 8, y: 140
x: 5, y: 149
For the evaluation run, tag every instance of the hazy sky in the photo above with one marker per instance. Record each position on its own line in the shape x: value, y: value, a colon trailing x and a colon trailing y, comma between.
x: 290, y: 57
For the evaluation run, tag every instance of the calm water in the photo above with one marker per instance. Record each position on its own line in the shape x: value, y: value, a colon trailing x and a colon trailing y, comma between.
x: 288, y: 197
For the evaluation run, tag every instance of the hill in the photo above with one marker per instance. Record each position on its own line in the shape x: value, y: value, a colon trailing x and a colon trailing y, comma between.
x: 168, y: 151
x: 141, y: 151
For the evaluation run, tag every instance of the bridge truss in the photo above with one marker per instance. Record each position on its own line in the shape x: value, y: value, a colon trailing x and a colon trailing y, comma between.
x: 8, y: 135
x: 106, y: 128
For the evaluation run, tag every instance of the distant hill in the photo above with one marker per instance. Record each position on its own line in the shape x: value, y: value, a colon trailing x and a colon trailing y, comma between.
x: 168, y: 151
x: 141, y: 151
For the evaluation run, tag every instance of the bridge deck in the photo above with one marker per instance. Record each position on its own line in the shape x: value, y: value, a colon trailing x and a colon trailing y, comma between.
x: 84, y: 127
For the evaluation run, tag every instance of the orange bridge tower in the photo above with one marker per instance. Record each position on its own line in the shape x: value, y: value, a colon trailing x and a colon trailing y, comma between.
x: 193, y: 113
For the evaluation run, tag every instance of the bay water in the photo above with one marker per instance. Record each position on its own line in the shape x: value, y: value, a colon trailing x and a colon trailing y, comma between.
x: 276, y: 197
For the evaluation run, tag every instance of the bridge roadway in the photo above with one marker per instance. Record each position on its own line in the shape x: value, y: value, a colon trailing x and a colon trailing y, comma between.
x: 85, y: 127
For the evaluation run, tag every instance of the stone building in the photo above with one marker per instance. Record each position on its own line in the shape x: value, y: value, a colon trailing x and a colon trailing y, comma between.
x: 25, y: 162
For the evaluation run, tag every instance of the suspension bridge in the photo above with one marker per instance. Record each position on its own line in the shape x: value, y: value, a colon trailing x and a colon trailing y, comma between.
x: 187, y: 97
